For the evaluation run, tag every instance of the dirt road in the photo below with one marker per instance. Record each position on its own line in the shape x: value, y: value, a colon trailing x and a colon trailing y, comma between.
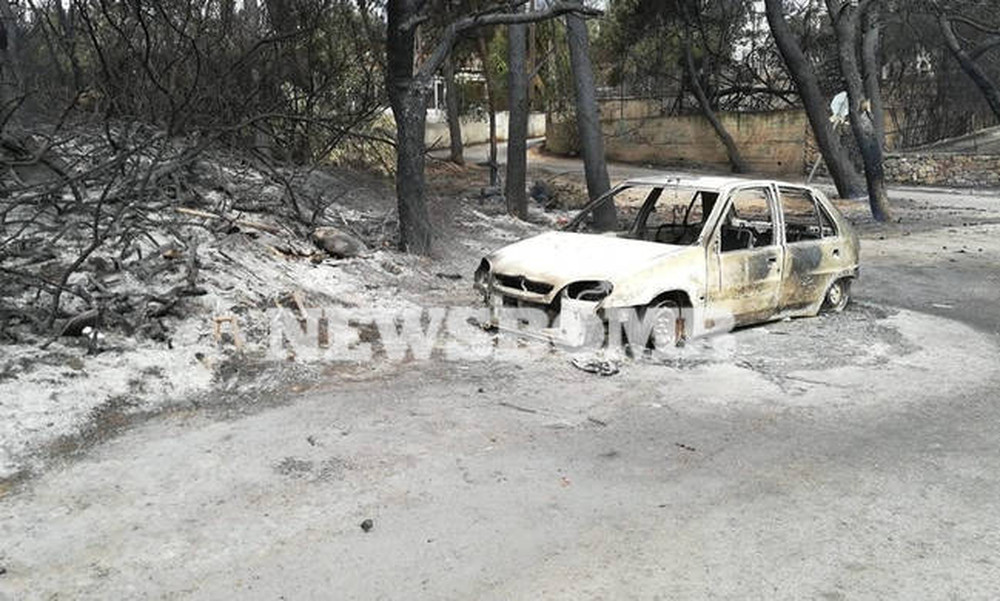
x: 845, y: 457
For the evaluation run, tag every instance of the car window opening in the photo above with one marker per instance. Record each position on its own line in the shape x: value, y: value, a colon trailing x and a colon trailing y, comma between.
x: 805, y: 217
x: 748, y: 223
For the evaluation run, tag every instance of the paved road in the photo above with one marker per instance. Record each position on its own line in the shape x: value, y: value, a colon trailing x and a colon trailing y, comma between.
x: 845, y: 457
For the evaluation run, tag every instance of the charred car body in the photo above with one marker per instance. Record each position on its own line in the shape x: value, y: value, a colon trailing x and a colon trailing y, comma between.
x: 705, y: 253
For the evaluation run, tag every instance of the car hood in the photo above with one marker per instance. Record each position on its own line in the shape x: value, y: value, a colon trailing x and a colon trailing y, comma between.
x: 560, y: 257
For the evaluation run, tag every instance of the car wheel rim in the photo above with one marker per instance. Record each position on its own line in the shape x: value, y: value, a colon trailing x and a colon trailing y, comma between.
x: 665, y: 327
x: 836, y: 294
x: 662, y: 332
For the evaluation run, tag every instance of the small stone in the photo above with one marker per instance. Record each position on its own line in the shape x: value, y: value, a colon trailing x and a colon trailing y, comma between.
x: 337, y: 243
x: 542, y: 192
x: 491, y: 193
x: 367, y: 525
x: 392, y: 267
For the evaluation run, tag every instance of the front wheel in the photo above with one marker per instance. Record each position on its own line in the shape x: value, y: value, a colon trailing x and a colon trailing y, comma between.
x: 837, y: 296
x: 668, y: 325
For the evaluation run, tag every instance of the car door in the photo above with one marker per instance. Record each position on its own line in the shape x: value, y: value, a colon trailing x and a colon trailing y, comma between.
x: 812, y: 248
x: 745, y: 257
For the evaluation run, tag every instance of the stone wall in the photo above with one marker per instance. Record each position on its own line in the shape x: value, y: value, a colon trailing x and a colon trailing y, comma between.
x: 941, y: 169
x: 772, y: 142
x: 776, y: 143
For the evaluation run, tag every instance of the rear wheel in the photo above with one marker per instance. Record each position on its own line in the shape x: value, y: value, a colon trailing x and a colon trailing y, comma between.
x: 837, y: 296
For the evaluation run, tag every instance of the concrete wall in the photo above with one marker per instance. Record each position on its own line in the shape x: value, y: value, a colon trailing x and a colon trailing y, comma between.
x: 961, y: 170
x: 476, y: 129
x: 772, y: 142
x: 776, y: 142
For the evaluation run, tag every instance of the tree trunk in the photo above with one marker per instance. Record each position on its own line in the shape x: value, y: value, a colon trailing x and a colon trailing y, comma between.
x: 976, y: 73
x: 532, y: 56
x: 11, y: 89
x: 847, y: 25
x: 491, y: 107
x: 67, y: 17
x: 451, y: 108
x: 735, y: 158
x: 588, y: 121
x: 227, y: 13
x: 263, y: 133
x: 414, y: 221
x: 408, y: 100
x: 870, y: 47
x: 517, y: 124
x: 844, y: 175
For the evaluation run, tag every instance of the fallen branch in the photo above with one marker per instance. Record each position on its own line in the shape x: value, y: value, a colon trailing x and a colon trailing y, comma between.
x: 517, y: 407
x: 251, y: 224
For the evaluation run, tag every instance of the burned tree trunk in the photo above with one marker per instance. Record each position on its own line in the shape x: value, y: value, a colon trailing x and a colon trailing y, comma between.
x: 871, y: 42
x: 846, y: 23
x: 454, y: 119
x: 517, y: 124
x: 844, y: 175
x: 588, y: 121
x: 415, y: 229
x: 11, y: 89
x: 408, y: 99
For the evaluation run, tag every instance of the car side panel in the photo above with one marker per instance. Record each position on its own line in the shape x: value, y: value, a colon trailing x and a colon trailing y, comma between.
x: 811, y: 266
x: 745, y: 283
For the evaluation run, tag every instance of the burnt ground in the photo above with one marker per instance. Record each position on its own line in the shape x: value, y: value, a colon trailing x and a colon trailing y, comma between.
x: 847, y: 456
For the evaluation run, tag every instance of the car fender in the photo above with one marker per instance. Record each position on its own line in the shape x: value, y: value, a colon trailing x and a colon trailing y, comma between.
x: 684, y: 272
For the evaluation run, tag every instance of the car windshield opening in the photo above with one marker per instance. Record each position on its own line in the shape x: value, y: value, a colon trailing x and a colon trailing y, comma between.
x: 665, y: 214
x: 673, y: 215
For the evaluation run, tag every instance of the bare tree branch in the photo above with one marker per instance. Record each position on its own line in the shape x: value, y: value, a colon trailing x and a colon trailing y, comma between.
x: 451, y: 33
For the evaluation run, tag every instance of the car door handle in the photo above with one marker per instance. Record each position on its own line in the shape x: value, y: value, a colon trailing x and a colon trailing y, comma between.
x: 772, y: 259
x: 836, y: 252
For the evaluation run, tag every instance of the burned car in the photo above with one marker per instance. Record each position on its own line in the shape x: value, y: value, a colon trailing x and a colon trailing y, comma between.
x: 714, y: 251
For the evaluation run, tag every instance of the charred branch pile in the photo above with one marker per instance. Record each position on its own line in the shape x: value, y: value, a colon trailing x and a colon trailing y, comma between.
x: 102, y: 228
x: 132, y: 132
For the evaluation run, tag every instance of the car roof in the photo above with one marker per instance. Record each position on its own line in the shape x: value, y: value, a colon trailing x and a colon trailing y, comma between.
x: 701, y: 182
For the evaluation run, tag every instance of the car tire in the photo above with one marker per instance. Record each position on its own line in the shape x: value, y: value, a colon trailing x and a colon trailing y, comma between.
x: 664, y: 334
x: 837, y: 296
